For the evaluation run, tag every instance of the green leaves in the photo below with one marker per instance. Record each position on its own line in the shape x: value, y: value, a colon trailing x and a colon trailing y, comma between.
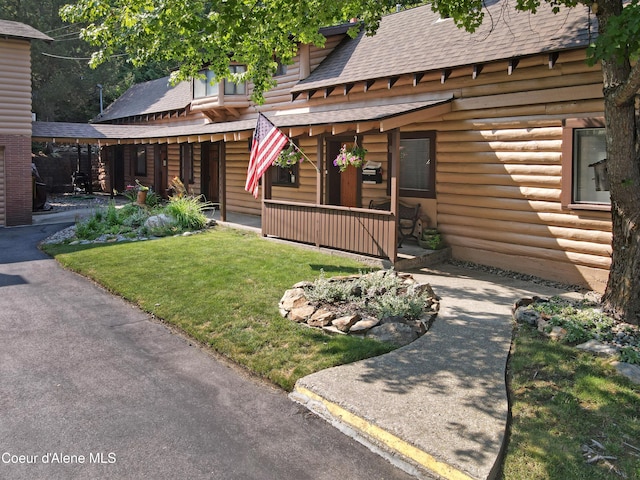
x: 193, y: 34
x: 620, y: 40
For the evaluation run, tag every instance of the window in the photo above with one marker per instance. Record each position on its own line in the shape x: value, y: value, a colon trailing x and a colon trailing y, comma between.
x: 285, y: 177
x: 281, y: 70
x: 417, y: 164
x: 186, y: 163
x: 584, y: 177
x: 141, y: 161
x: 205, y: 87
x: 231, y: 88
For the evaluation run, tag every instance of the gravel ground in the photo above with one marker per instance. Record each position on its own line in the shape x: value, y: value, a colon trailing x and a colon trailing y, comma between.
x: 521, y: 276
x: 68, y: 201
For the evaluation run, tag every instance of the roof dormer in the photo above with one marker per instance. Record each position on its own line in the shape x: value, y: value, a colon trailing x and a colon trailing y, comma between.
x: 219, y: 99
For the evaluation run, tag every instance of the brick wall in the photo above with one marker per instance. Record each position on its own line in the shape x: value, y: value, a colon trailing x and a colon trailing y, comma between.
x: 19, y: 188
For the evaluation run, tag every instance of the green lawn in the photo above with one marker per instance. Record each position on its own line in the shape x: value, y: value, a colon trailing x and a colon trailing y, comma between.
x: 563, y: 399
x: 222, y: 287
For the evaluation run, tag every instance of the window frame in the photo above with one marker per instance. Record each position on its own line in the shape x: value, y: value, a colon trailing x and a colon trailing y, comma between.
x: 411, y: 192
x: 278, y: 172
x: 136, y: 165
x: 186, y: 164
x: 208, y: 86
x: 568, y: 134
x: 281, y: 69
x: 228, y: 84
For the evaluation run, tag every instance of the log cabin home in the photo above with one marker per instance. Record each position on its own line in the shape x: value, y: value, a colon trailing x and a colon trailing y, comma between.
x: 16, y: 189
x: 495, y: 134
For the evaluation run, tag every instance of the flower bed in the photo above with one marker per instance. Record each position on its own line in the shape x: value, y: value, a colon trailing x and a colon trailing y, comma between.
x: 382, y: 305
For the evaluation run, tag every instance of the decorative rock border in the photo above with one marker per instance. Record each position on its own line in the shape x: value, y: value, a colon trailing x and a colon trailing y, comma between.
x: 340, y: 319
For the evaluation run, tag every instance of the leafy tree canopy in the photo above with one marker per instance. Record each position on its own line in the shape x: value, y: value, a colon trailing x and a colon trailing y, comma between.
x: 194, y: 34
x: 64, y: 87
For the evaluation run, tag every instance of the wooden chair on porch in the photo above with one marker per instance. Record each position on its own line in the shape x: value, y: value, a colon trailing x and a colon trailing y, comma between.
x: 408, y: 216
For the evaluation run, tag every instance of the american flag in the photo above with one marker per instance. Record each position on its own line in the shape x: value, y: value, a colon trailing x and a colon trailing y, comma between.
x: 268, y: 142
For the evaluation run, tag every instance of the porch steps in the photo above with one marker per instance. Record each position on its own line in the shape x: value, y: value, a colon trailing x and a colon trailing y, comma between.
x: 411, y: 257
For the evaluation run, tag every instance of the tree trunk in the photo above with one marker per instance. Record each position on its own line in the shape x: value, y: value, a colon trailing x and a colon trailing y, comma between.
x: 622, y: 294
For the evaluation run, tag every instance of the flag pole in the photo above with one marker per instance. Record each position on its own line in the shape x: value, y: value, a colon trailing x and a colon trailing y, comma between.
x: 304, y: 155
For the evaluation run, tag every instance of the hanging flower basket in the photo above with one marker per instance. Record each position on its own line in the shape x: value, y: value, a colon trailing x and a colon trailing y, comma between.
x: 288, y: 157
x: 353, y: 156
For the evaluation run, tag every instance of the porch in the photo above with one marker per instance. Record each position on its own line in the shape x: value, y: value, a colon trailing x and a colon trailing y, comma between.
x: 409, y: 256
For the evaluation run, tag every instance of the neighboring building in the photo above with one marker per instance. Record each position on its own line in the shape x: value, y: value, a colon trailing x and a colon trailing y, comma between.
x: 16, y: 189
x: 495, y: 134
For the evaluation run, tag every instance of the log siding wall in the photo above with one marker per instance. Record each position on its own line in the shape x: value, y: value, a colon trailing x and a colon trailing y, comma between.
x: 499, y: 176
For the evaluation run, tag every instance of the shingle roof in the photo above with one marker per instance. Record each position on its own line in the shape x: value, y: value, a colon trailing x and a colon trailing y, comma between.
x: 417, y: 40
x: 84, y: 131
x: 11, y: 29
x: 155, y: 96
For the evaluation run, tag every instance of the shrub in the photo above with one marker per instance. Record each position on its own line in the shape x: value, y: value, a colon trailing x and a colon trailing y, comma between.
x: 630, y: 355
x: 326, y: 290
x: 398, y: 306
x: 153, y: 199
x: 380, y: 294
x: 90, y: 229
x: 188, y: 212
x: 111, y: 216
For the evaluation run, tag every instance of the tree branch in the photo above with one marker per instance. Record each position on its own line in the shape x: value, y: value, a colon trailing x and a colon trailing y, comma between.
x: 630, y: 88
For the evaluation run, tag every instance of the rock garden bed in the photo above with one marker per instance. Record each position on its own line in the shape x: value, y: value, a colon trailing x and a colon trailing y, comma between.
x: 584, y: 325
x: 382, y: 305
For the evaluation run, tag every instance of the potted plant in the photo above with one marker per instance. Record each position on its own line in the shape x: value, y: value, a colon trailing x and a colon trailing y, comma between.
x: 352, y: 156
x: 142, y: 193
x: 288, y: 157
x: 431, y: 239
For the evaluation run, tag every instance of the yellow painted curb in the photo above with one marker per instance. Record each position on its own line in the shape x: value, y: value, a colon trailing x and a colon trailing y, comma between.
x: 391, y: 441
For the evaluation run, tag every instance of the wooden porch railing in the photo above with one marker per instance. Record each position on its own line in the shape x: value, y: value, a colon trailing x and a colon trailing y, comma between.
x: 359, y: 230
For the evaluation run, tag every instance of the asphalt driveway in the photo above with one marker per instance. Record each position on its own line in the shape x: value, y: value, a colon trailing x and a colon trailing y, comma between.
x: 91, y: 387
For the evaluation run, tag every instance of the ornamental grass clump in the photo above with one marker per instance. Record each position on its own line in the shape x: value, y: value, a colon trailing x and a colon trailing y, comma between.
x: 188, y: 211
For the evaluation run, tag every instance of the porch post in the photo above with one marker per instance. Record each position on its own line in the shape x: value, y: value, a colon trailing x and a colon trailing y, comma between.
x: 395, y: 189
x: 222, y: 183
x: 266, y: 195
x: 320, y: 171
x: 319, y: 186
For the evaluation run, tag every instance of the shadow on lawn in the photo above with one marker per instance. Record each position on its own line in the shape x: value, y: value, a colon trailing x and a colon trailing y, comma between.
x: 339, y: 268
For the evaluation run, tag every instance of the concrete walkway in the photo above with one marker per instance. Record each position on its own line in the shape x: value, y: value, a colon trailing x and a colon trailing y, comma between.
x: 437, y: 406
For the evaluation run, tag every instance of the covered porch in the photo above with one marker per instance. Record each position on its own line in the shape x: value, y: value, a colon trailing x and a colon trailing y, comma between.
x: 341, y: 217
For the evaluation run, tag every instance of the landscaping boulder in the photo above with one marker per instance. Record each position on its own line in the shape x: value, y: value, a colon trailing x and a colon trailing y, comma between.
x: 397, y: 333
x: 293, y: 298
x: 302, y: 314
x: 364, y: 325
x: 321, y: 318
x: 345, y: 323
x: 159, y: 221
x: 526, y: 314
